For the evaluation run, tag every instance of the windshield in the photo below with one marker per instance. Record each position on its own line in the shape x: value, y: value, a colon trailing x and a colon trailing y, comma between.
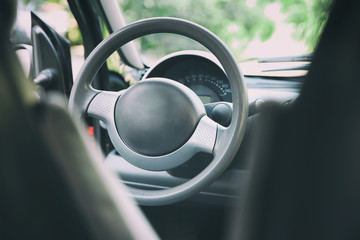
x: 250, y: 28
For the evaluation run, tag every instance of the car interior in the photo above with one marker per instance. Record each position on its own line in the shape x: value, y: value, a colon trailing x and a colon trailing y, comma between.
x: 195, y: 150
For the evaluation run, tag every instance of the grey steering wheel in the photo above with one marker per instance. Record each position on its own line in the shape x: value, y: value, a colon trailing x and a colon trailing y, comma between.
x: 158, y: 124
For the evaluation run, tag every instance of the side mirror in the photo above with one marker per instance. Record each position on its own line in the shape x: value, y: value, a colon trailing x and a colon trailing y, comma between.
x: 51, y: 58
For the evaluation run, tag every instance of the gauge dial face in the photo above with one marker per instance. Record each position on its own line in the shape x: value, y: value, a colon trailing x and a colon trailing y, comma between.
x: 200, y: 74
x: 208, y: 87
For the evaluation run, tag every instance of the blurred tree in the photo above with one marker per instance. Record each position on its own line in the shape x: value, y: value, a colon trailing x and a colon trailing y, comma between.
x: 38, y: 3
x: 308, y: 17
x: 236, y: 22
x: 73, y: 32
x: 232, y: 20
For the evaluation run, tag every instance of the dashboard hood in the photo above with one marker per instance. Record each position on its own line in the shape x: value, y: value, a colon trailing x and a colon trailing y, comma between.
x: 274, y: 69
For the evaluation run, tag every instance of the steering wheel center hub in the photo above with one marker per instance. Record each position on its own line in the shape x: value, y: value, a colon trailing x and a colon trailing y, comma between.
x: 157, y: 116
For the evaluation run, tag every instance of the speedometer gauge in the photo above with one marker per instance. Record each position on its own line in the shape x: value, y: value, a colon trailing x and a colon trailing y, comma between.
x: 198, y: 71
x: 209, y: 88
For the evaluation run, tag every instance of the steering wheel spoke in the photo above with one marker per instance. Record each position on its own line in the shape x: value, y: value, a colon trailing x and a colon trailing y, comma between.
x: 204, y: 136
x: 102, y: 106
x: 202, y: 140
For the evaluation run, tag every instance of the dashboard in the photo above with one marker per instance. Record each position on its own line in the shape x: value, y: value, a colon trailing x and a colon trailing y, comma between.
x: 202, y: 73
x: 197, y: 70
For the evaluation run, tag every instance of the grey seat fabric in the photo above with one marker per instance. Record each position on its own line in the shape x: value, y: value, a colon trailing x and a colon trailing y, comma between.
x: 52, y: 184
x: 306, y: 179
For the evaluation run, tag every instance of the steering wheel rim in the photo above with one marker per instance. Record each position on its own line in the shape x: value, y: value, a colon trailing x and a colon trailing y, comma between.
x: 227, y: 139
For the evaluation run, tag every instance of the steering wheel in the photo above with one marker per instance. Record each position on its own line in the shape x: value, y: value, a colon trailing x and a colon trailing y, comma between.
x: 158, y: 124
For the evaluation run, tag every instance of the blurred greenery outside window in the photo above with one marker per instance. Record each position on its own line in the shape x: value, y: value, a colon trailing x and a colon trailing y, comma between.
x: 250, y: 28
x: 72, y: 29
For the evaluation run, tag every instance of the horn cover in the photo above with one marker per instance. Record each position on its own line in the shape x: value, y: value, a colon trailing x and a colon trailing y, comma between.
x: 157, y: 116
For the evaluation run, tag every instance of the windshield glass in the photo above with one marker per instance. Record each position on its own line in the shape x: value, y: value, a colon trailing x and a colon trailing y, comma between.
x: 250, y: 28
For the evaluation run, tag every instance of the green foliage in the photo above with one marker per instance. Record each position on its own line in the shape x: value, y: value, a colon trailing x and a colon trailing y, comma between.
x: 39, y: 2
x: 237, y: 22
x: 233, y: 21
x: 74, y: 35
x: 308, y: 18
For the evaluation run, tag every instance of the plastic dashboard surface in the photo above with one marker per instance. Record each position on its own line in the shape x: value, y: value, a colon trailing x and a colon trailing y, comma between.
x: 198, y: 70
x: 202, y: 73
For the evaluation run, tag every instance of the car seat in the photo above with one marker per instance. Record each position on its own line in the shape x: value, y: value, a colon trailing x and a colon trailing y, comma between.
x: 52, y: 184
x: 305, y: 180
